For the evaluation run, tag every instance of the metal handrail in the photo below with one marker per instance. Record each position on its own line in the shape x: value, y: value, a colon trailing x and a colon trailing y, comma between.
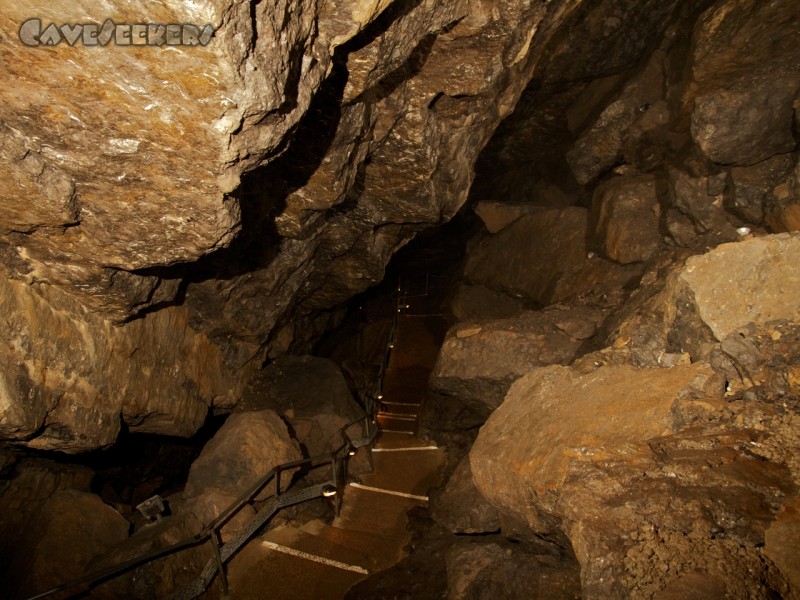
x: 280, y: 499
x: 211, y: 530
x: 403, y: 296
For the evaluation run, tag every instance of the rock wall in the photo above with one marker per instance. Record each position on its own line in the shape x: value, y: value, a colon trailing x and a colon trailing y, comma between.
x: 228, y: 191
x: 671, y: 452
x: 662, y: 450
x: 69, y: 375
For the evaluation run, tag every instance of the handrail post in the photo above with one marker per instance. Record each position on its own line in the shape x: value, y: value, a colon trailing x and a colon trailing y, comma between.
x: 223, y: 577
x: 337, y: 500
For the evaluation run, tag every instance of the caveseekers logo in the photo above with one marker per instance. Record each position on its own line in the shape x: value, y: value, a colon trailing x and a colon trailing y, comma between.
x: 32, y: 34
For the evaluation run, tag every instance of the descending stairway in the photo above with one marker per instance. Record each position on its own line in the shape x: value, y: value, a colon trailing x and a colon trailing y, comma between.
x: 322, y: 561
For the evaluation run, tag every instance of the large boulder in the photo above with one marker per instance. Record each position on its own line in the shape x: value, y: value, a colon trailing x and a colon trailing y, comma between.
x: 461, y: 508
x: 245, y: 448
x: 529, y: 257
x: 745, y: 81
x: 479, y: 360
x: 568, y: 417
x: 692, y: 305
x: 63, y: 536
x: 625, y: 214
x: 478, y: 571
x: 312, y: 395
x: 647, y: 472
x: 754, y: 281
x: 661, y: 475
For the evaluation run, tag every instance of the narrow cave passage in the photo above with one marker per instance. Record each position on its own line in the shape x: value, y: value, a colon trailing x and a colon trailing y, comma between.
x: 591, y: 211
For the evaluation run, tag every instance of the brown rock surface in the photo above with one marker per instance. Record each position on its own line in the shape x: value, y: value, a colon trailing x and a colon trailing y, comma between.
x: 64, y: 535
x: 477, y: 571
x: 782, y: 206
x: 661, y: 476
x: 527, y: 258
x: 569, y: 418
x: 245, y: 448
x: 474, y: 302
x: 479, y: 360
x: 496, y: 216
x: 68, y: 376
x: 311, y: 394
x: 687, y: 306
x: 461, y: 508
x: 254, y: 180
x: 27, y: 483
x: 753, y: 281
x: 705, y: 223
x: 625, y: 213
x: 745, y: 81
x: 782, y: 540
x: 752, y: 186
x: 648, y: 471
x: 157, y: 579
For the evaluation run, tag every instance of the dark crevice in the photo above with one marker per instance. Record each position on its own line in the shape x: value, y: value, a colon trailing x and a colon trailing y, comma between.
x: 409, y: 69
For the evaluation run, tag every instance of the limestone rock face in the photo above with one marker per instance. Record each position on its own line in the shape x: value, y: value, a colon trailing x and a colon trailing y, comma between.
x: 710, y: 299
x: 621, y: 458
x: 68, y: 376
x: 583, y: 416
x: 754, y: 281
x: 245, y: 448
x: 476, y: 571
x: 626, y: 216
x: 745, y: 82
x: 461, y: 508
x: 65, y: 534
x: 673, y: 446
x: 528, y: 257
x: 230, y: 188
x: 479, y: 360
x: 312, y: 395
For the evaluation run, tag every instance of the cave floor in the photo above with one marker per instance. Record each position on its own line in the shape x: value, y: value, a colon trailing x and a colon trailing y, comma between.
x: 321, y: 561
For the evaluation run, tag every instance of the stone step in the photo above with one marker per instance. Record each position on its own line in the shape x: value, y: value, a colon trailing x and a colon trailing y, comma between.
x: 397, y: 425
x: 388, y: 439
x: 409, y: 471
x: 381, y: 554
x: 259, y: 572
x: 401, y: 407
x: 374, y: 512
x: 398, y: 415
x: 324, y: 548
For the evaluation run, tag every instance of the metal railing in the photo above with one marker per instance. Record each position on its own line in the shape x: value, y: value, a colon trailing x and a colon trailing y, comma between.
x: 222, y: 552
x: 417, y: 288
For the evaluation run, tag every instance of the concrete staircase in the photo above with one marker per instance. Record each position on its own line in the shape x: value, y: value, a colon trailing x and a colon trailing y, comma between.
x: 322, y: 561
